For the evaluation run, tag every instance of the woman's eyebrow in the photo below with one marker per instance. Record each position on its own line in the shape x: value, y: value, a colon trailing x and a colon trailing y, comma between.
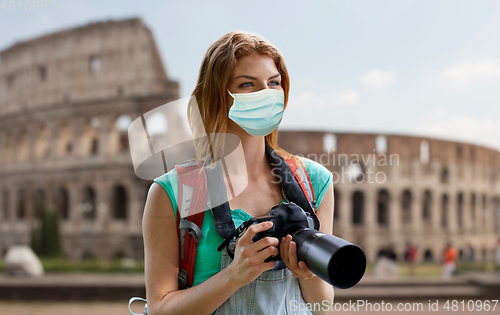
x: 254, y: 78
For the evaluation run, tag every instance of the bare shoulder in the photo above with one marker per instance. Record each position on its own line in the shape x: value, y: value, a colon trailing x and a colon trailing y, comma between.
x: 161, y: 248
x: 157, y: 202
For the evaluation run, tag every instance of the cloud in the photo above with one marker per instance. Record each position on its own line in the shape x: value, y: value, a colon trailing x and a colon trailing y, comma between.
x: 346, y: 98
x: 377, y: 78
x: 441, y: 124
x: 468, y: 72
x: 337, y: 99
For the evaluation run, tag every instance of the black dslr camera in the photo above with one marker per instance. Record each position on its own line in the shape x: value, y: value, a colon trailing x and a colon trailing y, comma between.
x: 331, y: 258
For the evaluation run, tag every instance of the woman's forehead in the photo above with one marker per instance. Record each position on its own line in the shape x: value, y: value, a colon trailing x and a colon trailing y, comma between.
x: 254, y: 64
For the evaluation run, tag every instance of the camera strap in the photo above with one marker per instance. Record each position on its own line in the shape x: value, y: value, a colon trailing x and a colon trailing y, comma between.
x: 193, y: 184
x: 293, y: 183
x: 236, y: 233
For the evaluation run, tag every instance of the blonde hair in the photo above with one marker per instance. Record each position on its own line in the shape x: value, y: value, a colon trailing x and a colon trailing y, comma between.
x: 212, y: 98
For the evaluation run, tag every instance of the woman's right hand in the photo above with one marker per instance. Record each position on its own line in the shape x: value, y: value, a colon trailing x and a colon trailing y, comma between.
x: 249, y: 256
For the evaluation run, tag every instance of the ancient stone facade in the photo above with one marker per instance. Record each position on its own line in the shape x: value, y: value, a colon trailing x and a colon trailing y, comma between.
x: 394, y: 189
x: 67, y: 98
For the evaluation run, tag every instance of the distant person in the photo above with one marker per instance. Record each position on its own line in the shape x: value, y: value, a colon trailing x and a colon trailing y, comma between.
x: 450, y: 258
x: 411, y: 252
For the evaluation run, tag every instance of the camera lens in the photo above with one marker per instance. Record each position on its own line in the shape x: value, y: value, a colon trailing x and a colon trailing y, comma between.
x: 331, y: 258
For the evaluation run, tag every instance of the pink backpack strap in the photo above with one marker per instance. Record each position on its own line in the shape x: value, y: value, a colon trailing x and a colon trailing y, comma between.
x: 192, y: 200
x: 303, y: 179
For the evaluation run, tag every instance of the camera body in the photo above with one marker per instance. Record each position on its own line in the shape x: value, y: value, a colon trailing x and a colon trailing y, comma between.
x: 331, y: 258
x: 287, y: 218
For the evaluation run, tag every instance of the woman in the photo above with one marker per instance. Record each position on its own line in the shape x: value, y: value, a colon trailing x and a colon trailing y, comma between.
x: 237, y: 63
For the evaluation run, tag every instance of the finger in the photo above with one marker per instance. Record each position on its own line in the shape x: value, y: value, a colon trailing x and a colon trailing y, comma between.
x: 264, y: 243
x: 293, y: 255
x: 268, y: 266
x: 282, y: 250
x: 265, y: 253
x: 246, y: 237
x: 286, y: 246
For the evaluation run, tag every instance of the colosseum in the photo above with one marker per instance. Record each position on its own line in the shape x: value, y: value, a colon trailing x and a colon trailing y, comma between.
x: 67, y: 99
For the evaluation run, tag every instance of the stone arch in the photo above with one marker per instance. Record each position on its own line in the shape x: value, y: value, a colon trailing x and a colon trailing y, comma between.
x: 23, y: 146
x: 484, y: 208
x: 5, y: 205
x: 496, y: 213
x: 62, y: 203
x: 424, y: 152
x: 444, y: 210
x: 95, y: 64
x: 120, y: 203
x: 39, y: 202
x: 358, y: 207
x: 406, y: 201
x: 91, y: 136
x: 42, y: 143
x: 427, y: 206
x: 119, y: 133
x: 88, y: 203
x: 383, y: 207
x: 21, y: 207
x: 473, y: 209
x: 381, y: 144
x: 460, y: 209
x: 445, y: 174
x: 329, y: 142
x: 428, y: 255
x: 9, y: 148
x: 64, y: 139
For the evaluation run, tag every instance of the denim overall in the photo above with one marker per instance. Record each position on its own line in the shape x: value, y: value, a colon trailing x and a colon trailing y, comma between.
x: 270, y: 293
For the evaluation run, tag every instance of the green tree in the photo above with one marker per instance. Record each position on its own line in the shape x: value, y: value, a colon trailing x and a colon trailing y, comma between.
x: 45, y: 239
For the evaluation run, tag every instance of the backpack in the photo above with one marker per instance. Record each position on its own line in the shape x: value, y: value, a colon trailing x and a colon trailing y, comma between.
x: 194, y: 198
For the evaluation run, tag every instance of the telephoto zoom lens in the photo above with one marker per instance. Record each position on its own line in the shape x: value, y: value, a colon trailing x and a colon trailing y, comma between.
x: 331, y: 258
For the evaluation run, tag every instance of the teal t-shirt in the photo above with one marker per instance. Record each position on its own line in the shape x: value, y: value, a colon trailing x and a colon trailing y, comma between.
x: 208, y: 259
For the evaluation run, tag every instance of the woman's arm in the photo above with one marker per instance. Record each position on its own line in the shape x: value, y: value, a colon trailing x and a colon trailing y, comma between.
x: 161, y: 249
x: 314, y: 289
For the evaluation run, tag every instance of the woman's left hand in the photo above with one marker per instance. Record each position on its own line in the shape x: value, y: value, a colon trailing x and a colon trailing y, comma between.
x: 288, y: 252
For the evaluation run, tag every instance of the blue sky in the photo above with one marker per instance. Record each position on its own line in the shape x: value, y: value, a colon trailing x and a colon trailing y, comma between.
x: 407, y: 67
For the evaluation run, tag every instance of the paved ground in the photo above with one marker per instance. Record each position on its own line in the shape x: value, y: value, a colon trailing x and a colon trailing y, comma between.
x: 94, y: 308
x: 41, y: 308
x: 416, y: 292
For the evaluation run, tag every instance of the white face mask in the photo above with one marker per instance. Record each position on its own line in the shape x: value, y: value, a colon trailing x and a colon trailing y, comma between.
x: 258, y: 113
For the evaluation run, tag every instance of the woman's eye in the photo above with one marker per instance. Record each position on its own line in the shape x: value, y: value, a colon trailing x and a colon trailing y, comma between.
x: 246, y: 84
x: 275, y: 82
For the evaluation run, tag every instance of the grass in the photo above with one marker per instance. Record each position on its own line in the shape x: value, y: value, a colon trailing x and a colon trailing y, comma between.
x: 61, y: 265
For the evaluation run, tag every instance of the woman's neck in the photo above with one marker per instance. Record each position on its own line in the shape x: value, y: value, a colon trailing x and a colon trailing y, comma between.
x: 251, y: 161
